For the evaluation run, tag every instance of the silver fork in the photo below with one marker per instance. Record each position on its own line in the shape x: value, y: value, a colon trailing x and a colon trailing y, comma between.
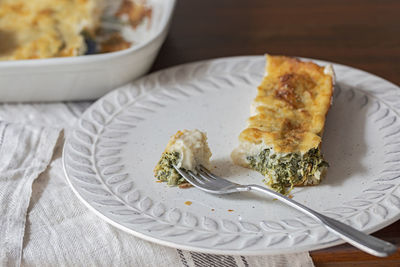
x: 213, y: 184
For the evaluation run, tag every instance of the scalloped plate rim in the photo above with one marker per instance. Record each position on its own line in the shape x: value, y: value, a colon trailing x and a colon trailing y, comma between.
x: 269, y: 251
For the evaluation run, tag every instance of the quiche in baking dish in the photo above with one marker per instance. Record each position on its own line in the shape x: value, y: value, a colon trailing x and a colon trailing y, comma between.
x: 186, y: 149
x: 47, y: 28
x: 283, y: 137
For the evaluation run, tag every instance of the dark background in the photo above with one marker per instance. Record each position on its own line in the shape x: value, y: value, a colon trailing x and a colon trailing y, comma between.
x: 364, y: 34
x: 360, y: 33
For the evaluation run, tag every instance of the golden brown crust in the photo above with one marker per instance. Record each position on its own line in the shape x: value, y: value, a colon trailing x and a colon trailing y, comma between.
x: 114, y: 43
x: 135, y: 12
x: 291, y: 105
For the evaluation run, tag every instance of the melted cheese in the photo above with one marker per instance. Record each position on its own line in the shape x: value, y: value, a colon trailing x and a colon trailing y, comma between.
x: 288, y: 113
x: 46, y: 28
x: 192, y: 147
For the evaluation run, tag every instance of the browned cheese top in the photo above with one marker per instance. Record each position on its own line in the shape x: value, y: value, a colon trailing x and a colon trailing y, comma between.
x: 291, y: 105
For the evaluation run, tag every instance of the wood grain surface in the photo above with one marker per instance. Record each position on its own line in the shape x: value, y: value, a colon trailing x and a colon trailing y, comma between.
x: 360, y: 33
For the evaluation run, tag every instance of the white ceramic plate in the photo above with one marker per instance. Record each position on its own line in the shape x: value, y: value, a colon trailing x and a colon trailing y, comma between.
x: 110, y: 156
x: 89, y: 76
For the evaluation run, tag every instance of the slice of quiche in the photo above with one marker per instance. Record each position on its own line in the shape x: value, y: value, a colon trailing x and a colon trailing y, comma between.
x: 186, y: 149
x: 283, y: 137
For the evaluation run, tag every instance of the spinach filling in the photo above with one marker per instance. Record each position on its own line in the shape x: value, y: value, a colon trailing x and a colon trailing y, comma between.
x: 283, y: 171
x: 165, y: 171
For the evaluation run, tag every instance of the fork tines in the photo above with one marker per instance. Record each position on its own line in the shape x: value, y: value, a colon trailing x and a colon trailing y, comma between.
x: 205, y: 180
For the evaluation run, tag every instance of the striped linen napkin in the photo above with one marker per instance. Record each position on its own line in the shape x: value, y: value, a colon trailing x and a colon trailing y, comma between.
x: 42, y: 222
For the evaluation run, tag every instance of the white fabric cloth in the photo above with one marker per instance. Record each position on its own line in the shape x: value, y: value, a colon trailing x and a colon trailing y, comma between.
x: 43, y: 223
x: 25, y: 152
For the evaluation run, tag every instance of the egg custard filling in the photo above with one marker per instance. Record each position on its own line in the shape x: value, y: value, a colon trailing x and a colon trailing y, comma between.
x: 186, y: 149
x: 287, y: 170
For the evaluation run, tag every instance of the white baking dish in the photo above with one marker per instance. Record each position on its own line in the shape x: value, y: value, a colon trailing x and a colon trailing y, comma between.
x: 90, y: 76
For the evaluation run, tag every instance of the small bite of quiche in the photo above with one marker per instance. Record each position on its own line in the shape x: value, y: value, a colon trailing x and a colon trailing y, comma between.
x: 283, y: 137
x: 186, y: 149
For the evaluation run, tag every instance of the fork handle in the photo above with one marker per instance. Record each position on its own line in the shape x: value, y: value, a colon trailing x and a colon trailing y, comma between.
x: 357, y: 238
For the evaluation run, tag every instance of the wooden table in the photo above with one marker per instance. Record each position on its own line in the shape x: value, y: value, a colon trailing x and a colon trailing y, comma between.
x: 361, y: 33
